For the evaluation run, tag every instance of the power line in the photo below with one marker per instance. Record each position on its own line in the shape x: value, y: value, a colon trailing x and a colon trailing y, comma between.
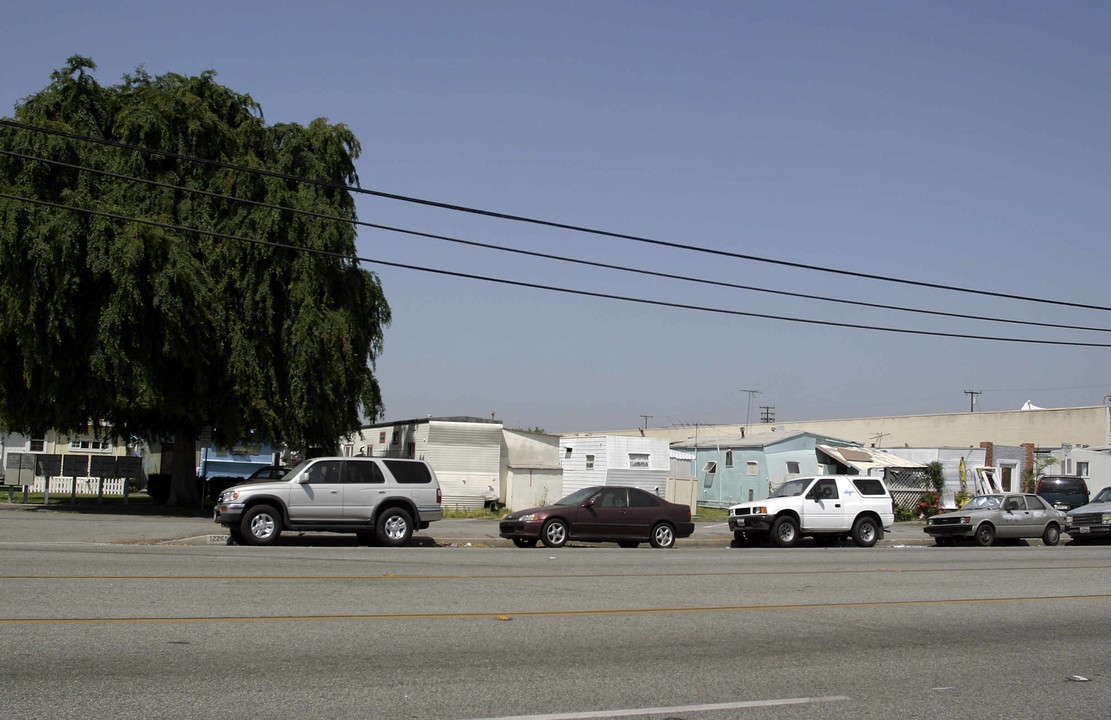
x: 550, y: 256
x: 550, y: 223
x: 551, y: 288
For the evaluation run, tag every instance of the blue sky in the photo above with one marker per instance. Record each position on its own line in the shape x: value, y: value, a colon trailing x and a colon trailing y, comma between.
x: 962, y: 143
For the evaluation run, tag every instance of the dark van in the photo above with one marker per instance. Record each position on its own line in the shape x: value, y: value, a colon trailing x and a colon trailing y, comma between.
x: 1063, y: 492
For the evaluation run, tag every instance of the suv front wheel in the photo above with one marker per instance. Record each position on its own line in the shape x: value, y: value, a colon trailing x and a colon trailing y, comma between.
x: 394, y: 527
x: 261, y: 525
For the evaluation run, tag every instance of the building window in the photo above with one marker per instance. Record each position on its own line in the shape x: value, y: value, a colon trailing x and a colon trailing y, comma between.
x: 36, y: 445
x: 90, y: 445
x: 382, y: 438
x: 589, y: 462
x: 792, y: 467
x: 728, y: 458
x: 638, y: 460
x: 710, y: 468
x: 752, y: 467
x: 567, y: 454
x: 1082, y: 468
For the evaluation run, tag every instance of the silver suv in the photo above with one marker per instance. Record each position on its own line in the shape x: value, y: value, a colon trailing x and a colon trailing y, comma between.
x: 375, y: 498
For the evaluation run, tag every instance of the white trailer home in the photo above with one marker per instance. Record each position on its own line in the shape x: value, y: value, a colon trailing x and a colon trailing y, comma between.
x: 588, y: 460
x: 465, y: 452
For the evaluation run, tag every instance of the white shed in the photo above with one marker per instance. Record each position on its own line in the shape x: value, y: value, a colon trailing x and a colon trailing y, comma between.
x: 530, y: 471
x: 588, y: 460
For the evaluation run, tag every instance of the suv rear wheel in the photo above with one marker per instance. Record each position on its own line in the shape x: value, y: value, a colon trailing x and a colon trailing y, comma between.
x: 394, y: 527
x: 261, y: 525
x: 866, y: 532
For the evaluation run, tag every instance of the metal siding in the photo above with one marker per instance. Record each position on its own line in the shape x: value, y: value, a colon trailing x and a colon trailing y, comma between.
x: 575, y: 474
x: 466, y: 458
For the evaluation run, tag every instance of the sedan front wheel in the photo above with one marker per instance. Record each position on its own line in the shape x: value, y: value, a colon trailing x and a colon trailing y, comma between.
x: 985, y: 535
x: 554, y: 534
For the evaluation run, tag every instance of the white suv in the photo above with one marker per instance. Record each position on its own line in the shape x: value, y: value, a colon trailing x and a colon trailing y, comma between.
x: 828, y: 508
x: 383, y: 498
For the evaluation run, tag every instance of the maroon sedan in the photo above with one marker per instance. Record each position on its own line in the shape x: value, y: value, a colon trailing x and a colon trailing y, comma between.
x: 625, y: 515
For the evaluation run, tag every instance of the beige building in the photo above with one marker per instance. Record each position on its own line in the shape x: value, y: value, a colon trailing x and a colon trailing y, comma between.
x: 1044, y: 428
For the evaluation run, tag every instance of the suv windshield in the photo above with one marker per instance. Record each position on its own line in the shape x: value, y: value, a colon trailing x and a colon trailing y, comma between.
x: 791, y: 488
x: 1103, y: 496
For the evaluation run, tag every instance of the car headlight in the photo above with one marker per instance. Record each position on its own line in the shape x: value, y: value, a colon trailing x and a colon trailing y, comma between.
x: 759, y: 511
x: 1068, y: 519
x: 531, y: 517
x: 1107, y: 518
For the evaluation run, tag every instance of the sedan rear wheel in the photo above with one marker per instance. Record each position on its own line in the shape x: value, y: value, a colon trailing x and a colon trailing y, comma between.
x: 663, y: 536
x: 1052, y: 534
x: 554, y: 534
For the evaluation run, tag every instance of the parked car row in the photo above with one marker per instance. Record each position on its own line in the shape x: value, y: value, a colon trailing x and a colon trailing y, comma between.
x: 386, y: 499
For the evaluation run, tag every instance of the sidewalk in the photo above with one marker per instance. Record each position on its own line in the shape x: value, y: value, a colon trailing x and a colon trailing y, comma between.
x: 144, y: 523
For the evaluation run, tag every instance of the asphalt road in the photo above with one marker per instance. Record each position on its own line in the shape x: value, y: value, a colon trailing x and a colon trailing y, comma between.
x: 173, y: 628
x: 147, y: 524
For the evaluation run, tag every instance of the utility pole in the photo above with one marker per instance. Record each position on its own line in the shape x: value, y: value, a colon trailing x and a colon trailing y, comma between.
x: 646, y: 420
x: 972, y: 399
x: 748, y: 415
x: 767, y: 413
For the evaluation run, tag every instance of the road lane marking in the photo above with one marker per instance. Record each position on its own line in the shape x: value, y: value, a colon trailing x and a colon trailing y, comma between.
x: 594, y: 612
x: 549, y: 576
x: 631, y: 712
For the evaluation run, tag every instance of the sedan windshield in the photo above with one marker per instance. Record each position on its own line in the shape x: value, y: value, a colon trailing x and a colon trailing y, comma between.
x: 982, y: 502
x: 577, y: 498
x: 792, y: 488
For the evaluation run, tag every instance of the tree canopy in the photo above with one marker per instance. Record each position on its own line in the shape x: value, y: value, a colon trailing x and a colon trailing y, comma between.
x: 158, y: 331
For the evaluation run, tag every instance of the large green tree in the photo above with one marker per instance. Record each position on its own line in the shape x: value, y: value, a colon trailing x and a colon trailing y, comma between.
x: 160, y: 332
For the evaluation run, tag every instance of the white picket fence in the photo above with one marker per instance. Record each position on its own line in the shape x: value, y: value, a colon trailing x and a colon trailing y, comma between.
x: 85, y: 485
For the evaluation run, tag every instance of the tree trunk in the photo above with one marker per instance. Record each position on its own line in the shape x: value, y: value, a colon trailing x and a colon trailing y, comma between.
x: 184, y: 490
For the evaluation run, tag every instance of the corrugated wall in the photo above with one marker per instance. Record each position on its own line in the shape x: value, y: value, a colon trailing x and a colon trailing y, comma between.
x: 466, y: 458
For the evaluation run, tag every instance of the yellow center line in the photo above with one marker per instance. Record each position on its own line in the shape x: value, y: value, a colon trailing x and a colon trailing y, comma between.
x: 547, y: 576
x: 596, y: 612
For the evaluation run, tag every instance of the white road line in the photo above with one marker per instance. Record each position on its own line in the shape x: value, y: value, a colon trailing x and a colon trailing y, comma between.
x: 631, y: 712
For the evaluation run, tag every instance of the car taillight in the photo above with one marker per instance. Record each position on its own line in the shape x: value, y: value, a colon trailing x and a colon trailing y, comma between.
x: 439, y: 496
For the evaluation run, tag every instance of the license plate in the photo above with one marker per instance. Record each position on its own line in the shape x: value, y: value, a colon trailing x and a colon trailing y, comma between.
x: 1085, y: 530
